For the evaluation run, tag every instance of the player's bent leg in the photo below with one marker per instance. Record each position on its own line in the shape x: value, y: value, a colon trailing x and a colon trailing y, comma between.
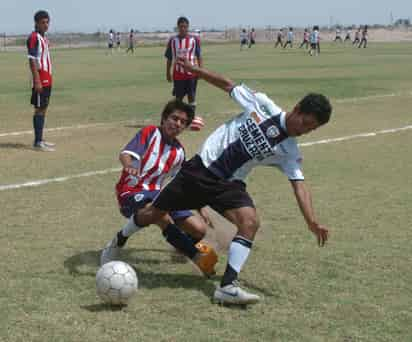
x: 229, y: 291
x: 201, y: 254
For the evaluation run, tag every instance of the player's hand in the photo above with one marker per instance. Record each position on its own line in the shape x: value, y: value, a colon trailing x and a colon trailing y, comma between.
x: 321, y: 233
x: 169, y: 77
x: 132, y: 171
x: 38, y: 86
x: 185, y: 63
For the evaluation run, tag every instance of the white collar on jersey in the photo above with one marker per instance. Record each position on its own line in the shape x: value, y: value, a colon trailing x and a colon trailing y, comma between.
x: 283, y: 121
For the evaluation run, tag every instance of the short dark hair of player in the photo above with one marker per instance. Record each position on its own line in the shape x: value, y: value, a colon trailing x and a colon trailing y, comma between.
x: 39, y: 15
x: 317, y: 105
x: 182, y: 20
x: 179, y: 105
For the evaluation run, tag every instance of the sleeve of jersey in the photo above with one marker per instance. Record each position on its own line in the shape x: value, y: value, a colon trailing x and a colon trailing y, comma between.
x: 168, y: 52
x: 140, y: 143
x: 32, y: 46
x: 244, y: 97
x: 292, y: 168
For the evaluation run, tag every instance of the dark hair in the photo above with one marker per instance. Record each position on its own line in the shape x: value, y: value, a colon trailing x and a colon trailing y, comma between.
x: 182, y: 20
x: 39, y: 15
x: 174, y: 105
x: 317, y: 105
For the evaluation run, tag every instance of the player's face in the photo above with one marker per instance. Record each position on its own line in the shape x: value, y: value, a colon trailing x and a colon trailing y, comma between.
x: 43, y: 25
x: 183, y: 29
x: 301, y: 123
x: 174, y: 124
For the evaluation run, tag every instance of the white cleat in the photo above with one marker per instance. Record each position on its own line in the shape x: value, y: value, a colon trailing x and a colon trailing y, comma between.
x: 233, y: 294
x: 41, y: 146
x: 48, y: 143
x: 110, y: 252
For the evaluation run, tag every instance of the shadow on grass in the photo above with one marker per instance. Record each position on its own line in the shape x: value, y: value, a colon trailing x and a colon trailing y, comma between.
x: 102, y: 307
x: 16, y: 146
x: 75, y: 264
x: 87, y: 263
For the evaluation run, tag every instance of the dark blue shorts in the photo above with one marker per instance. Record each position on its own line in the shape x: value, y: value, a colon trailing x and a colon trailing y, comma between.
x: 130, y: 204
x: 181, y: 88
x: 41, y: 100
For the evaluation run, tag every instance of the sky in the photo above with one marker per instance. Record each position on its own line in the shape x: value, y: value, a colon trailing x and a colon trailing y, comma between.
x: 16, y: 16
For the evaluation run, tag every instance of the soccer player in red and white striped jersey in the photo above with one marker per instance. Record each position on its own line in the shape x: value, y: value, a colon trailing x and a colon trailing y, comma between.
x: 187, y: 46
x: 41, y: 69
x: 150, y: 158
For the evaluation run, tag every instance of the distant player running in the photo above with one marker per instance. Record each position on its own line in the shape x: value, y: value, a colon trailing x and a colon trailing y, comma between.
x: 305, y: 41
x: 263, y: 134
x: 131, y: 42
x: 151, y: 157
x: 314, y: 41
x: 290, y: 38
x: 118, y: 40
x: 348, y: 35
x: 41, y: 69
x: 183, y: 45
x: 364, y: 40
x: 357, y: 37
x: 279, y: 38
x: 252, y: 37
x: 338, y: 35
x: 110, y: 41
x: 243, y: 39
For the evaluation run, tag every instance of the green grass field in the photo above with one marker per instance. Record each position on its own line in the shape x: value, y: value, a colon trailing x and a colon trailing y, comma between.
x: 357, y: 288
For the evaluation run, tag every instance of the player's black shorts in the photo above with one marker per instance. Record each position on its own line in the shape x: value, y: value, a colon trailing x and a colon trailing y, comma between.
x: 243, y: 42
x: 313, y: 45
x: 110, y: 45
x: 40, y: 100
x: 181, y: 88
x: 252, y: 42
x: 195, y: 187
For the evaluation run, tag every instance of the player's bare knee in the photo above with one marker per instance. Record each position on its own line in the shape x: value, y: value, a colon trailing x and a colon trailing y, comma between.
x: 149, y: 215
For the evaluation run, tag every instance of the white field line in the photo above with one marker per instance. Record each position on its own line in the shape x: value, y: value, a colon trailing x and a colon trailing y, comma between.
x: 109, y: 124
x: 63, y: 128
x: 111, y: 170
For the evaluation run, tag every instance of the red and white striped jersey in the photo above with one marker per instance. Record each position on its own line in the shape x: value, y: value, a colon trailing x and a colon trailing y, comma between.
x: 154, y: 157
x: 38, y: 50
x: 187, y: 47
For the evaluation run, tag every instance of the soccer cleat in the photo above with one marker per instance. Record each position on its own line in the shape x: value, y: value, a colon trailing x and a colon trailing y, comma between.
x: 206, y: 259
x: 48, y: 143
x: 41, y: 146
x: 234, y: 294
x: 110, y: 252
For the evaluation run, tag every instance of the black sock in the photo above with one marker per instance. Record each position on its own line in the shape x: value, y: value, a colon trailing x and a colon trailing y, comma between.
x: 180, y: 240
x: 193, y: 239
x: 38, y: 124
x: 229, y: 277
x: 121, y: 239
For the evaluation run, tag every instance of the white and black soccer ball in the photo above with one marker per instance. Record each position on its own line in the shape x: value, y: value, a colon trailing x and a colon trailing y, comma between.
x: 116, y: 282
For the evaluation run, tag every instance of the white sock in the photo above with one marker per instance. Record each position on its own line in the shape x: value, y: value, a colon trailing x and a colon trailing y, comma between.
x: 238, y: 252
x: 130, y: 227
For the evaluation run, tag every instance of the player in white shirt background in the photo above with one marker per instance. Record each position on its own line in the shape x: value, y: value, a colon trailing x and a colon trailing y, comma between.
x: 262, y: 134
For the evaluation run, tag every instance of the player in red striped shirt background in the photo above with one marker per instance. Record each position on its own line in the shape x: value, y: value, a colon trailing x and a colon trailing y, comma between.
x: 41, y: 69
x: 187, y: 46
x: 150, y: 158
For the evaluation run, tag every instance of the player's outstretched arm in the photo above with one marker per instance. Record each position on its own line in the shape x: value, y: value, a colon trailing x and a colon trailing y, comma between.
x: 127, y: 161
x: 211, y: 77
x: 304, y: 200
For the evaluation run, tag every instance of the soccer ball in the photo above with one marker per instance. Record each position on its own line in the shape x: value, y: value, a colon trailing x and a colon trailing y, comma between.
x: 116, y: 282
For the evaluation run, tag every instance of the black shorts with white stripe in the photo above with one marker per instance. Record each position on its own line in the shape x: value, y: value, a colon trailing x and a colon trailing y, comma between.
x: 41, y: 100
x: 195, y: 186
